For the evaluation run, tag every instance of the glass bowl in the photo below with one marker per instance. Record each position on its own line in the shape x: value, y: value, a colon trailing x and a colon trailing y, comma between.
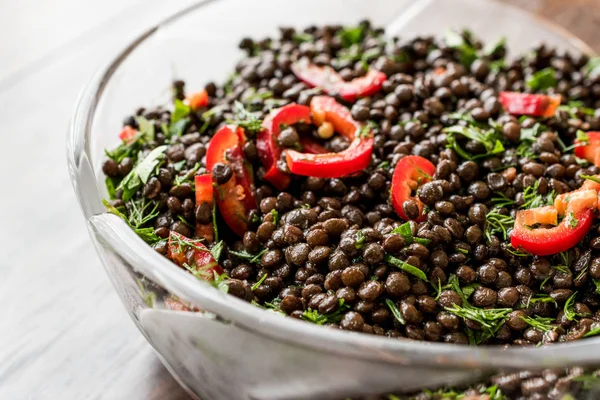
x: 236, y: 350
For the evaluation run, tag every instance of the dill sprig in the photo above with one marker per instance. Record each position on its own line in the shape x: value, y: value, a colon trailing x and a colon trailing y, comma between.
x: 252, y: 258
x: 541, y: 323
x: 533, y: 199
x: 501, y: 200
x: 496, y: 223
x: 259, y: 282
x: 395, y: 311
x: 490, y: 319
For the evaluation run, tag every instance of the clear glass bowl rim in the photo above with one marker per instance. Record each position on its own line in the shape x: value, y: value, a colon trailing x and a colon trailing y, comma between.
x: 261, y: 321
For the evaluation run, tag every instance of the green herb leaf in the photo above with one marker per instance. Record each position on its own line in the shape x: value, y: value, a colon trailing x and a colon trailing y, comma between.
x: 220, y: 282
x: 301, y: 37
x: 180, y: 111
x: 216, y: 250
x: 383, y: 165
x: 360, y: 240
x: 501, y: 200
x: 275, y: 215
x: 113, y: 210
x: 541, y: 298
x: 146, y: 128
x: 489, y: 139
x: 593, y: 332
x: 148, y: 296
x: 492, y: 47
x: 395, y: 311
x: 245, y: 119
x: 405, y: 231
x: 331, y: 318
x: 406, y: 267
x: 467, y: 53
x: 591, y: 178
x: 111, y: 187
x: 141, y: 212
x: 259, y: 282
x: 569, y: 309
x: 244, y: 255
x: 148, y: 235
x: 571, y: 221
x: 214, y: 221
x: 542, y: 80
x: 141, y: 173
x: 351, y: 35
x: 533, y: 199
x: 540, y: 323
x: 496, y: 223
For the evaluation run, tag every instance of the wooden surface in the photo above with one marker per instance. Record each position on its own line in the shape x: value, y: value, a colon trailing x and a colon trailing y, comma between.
x: 64, y: 334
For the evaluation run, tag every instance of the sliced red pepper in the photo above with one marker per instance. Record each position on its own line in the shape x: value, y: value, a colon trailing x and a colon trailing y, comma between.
x: 589, y: 150
x: 328, y: 80
x: 235, y: 198
x: 536, y: 105
x: 547, y: 241
x: 198, y: 100
x: 127, y: 133
x: 179, y: 248
x: 266, y: 141
x: 409, y: 174
x: 204, y: 195
x: 333, y: 165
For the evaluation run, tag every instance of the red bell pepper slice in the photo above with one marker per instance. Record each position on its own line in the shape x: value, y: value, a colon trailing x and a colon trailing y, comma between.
x: 546, y: 241
x: 127, y: 133
x: 204, y: 194
x: 179, y: 246
x: 266, y: 141
x: 536, y: 105
x: 198, y: 99
x: 309, y: 145
x: 409, y: 174
x: 334, y: 165
x: 235, y: 198
x: 328, y: 80
x: 590, y: 149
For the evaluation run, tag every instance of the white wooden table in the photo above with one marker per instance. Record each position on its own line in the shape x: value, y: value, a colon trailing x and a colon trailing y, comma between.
x: 64, y: 334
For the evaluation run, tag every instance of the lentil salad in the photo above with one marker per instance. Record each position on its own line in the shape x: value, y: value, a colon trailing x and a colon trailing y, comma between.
x: 247, y: 186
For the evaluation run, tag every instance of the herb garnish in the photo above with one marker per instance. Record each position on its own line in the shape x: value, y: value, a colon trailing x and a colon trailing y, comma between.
x: 571, y: 221
x: 489, y: 139
x: 540, y: 298
x: 569, y: 309
x: 350, y: 35
x: 593, y: 332
x: 460, y: 42
x: 501, y: 200
x: 541, y: 323
x: 275, y: 215
x: 259, y: 282
x: 395, y: 311
x: 334, y: 317
x: 245, y: 119
x: 406, y: 267
x: 180, y: 111
x: 490, y: 319
x: 405, y: 231
x: 533, y: 199
x: 496, y: 223
x: 541, y: 80
x: 141, y: 173
x: 593, y: 66
x: 590, y: 178
x: 244, y: 255
x: 360, y: 240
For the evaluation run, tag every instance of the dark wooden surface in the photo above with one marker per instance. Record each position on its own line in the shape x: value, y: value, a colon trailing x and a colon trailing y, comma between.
x: 64, y: 334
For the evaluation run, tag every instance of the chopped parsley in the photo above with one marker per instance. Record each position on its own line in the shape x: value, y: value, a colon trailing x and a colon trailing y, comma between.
x: 141, y: 173
x: 351, y: 35
x: 405, y: 231
x: 571, y: 221
x: 360, y: 240
x: 542, y: 80
x: 180, y: 111
x: 275, y: 215
x: 321, y: 319
x: 462, y: 44
x: 245, y: 119
x: 489, y: 139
